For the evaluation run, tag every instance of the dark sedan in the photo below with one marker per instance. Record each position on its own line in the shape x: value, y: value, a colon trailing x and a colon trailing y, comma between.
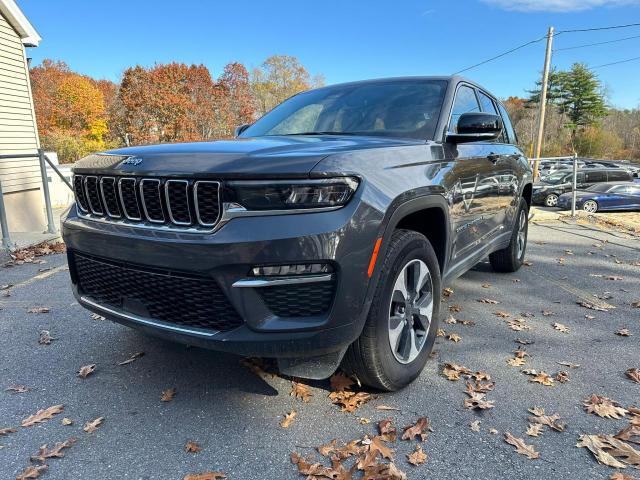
x: 604, y: 196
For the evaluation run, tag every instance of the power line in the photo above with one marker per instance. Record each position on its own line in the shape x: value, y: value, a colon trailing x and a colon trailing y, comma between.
x: 616, y: 63
x: 501, y: 55
x: 599, y: 28
x: 594, y: 44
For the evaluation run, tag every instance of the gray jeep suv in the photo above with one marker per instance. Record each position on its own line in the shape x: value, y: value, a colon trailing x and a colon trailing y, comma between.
x: 322, y: 235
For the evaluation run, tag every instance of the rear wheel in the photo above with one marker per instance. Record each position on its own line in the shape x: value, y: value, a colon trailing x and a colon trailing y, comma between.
x: 510, y: 259
x: 400, y: 329
x: 590, y: 206
x: 551, y: 200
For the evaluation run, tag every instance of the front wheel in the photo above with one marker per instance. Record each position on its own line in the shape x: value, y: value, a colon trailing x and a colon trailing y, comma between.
x: 400, y: 329
x: 590, y: 206
x: 510, y: 259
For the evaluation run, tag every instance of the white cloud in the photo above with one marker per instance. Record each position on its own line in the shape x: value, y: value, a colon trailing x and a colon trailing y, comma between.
x: 557, y: 5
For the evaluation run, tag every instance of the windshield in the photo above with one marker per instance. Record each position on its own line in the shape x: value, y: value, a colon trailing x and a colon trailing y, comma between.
x: 401, y: 108
x: 555, y: 178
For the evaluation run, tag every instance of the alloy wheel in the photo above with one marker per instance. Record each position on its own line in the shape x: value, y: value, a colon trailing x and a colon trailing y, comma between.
x: 551, y: 200
x: 410, y: 311
x: 590, y: 206
x: 521, y: 240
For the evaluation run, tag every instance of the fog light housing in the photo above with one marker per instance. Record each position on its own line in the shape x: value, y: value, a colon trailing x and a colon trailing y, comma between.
x: 292, y: 269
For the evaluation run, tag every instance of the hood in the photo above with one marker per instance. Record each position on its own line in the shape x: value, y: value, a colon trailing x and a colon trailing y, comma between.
x: 293, y: 156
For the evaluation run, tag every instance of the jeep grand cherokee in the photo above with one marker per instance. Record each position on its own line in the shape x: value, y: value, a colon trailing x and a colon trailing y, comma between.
x: 322, y: 235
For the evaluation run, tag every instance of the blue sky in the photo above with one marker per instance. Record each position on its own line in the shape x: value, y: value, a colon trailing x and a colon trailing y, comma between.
x: 343, y: 40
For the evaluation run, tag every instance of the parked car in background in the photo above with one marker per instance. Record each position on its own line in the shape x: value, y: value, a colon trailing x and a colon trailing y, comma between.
x: 547, y: 191
x: 604, y: 196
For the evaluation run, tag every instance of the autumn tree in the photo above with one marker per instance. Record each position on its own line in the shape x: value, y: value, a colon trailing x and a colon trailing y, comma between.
x: 236, y: 88
x: 278, y: 78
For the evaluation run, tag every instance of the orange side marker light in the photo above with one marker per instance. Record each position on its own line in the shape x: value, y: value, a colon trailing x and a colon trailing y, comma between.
x: 374, y: 257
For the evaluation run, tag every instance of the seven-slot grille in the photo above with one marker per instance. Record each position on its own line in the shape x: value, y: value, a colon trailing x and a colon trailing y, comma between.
x: 172, y: 202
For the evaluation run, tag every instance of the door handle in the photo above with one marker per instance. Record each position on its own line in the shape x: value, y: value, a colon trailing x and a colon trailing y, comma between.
x: 493, y: 157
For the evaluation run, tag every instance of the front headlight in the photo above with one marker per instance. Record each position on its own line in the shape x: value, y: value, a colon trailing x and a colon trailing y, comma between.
x: 291, y: 194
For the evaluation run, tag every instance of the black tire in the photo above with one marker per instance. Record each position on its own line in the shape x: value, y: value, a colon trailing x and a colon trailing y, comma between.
x: 510, y: 259
x: 371, y: 357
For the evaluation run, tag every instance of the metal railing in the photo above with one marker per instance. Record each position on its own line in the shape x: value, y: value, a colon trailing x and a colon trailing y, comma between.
x: 43, y: 160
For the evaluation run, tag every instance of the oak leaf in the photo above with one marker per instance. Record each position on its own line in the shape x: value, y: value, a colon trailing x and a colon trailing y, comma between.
x: 569, y: 364
x: 561, y: 328
x: 634, y: 374
x: 477, y: 401
x: 475, y: 426
x: 387, y: 408
x: 534, y: 429
x: 168, y: 394
x: 93, y: 425
x: 516, y: 362
x: 7, y: 431
x: 340, y: 381
x: 447, y: 292
x: 42, y: 415
x: 562, y: 377
x: 604, y: 407
x: 38, y: 310
x: 418, y: 457
x: 387, y: 430
x: 543, y: 379
x: 288, y: 419
x: 55, y: 452
x: 610, y: 451
x: 86, y: 370
x: 502, y: 314
x: 66, y: 421
x: 624, y: 332
x: 301, y: 391
x: 420, y: 430
x: 132, y: 358
x: 192, y: 447
x: 454, y: 337
x: 455, y: 308
x: 552, y: 421
x: 32, y: 471
x: 349, y: 401
x: 521, y: 447
x: 17, y: 389
x: 45, y: 337
x: 453, y: 371
x: 205, y: 476
x: 488, y: 301
x: 620, y: 476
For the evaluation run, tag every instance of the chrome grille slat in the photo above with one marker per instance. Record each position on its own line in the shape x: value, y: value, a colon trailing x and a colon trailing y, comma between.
x: 164, y: 203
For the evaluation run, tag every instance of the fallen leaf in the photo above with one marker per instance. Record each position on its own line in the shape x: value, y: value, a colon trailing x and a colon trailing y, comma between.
x: 569, y: 364
x: 420, y: 430
x: 55, y: 452
x: 32, y: 471
x: 45, y: 337
x: 604, y: 407
x: 521, y: 447
x: 66, y: 421
x: 7, y: 431
x: 562, y: 377
x: 475, y: 426
x: 364, y: 420
x: 301, y: 391
x: 453, y: 371
x: 132, y: 358
x: 168, y: 394
x: 387, y: 407
x: 257, y: 366
x: 591, y: 306
x: 589, y: 317
x: 192, y: 447
x: 93, y: 425
x: 552, y: 421
x: 502, y: 314
x: 518, y: 324
x: 477, y: 401
x: 450, y: 320
x: 634, y: 374
x: 547, y: 313
x: 527, y: 263
x: 561, y: 328
x: 543, y: 379
x: 38, y: 310
x: 17, y: 389
x: 440, y: 333
x: 479, y: 387
x: 516, y: 362
x: 288, y: 419
x: 635, y: 304
x: 87, y: 370
x: 95, y: 316
x: 349, y: 401
x: 630, y: 433
x: 489, y: 301
x: 454, y: 337
x: 455, y: 308
x: 205, y: 476
x: 534, y: 429
x: 493, y: 431
x: 447, y: 292
x: 624, y: 332
x: 486, y: 285
x: 620, y: 476
x: 418, y: 457
x: 42, y: 415
x: 610, y: 451
x: 524, y: 342
x: 340, y: 381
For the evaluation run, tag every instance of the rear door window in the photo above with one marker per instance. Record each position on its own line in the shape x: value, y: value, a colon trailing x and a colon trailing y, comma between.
x: 615, y: 176
x: 465, y: 102
x: 595, y: 177
x: 508, y: 127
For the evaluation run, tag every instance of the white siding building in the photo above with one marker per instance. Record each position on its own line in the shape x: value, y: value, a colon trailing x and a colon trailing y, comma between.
x: 20, y: 178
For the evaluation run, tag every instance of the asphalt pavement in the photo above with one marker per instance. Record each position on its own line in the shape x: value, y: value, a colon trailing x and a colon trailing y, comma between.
x: 234, y: 415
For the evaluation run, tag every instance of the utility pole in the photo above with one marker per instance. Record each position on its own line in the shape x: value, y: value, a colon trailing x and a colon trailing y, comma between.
x: 543, y: 102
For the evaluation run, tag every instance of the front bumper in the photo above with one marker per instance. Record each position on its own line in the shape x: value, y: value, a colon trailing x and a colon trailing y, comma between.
x: 266, y: 327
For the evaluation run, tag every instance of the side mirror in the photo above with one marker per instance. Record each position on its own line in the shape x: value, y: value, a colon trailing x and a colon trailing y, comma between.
x: 240, y: 129
x: 476, y: 127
